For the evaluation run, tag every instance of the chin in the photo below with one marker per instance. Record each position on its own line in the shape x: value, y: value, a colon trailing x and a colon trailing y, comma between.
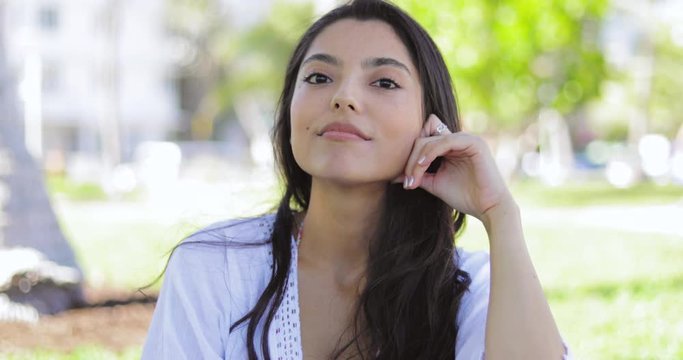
x: 347, y: 177
x: 350, y: 170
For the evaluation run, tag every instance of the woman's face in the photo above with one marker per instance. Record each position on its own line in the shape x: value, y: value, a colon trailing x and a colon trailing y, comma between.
x: 357, y: 105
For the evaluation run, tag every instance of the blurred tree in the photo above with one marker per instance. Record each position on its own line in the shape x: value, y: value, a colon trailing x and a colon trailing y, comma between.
x: 665, y: 107
x: 641, y: 93
x: 233, y: 70
x: 27, y: 219
x: 256, y: 77
x: 511, y: 58
x: 264, y: 50
x: 203, y: 37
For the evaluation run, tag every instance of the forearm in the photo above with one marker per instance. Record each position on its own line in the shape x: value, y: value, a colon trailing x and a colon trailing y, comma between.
x: 520, y: 324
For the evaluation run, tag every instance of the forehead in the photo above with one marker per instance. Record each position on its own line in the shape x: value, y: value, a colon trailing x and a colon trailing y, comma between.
x: 353, y: 40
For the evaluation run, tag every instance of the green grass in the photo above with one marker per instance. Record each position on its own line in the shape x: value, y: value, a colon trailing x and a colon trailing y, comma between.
x: 63, y: 187
x: 81, y: 353
x: 125, y: 244
x: 595, y: 193
x: 615, y: 294
x: 123, y: 253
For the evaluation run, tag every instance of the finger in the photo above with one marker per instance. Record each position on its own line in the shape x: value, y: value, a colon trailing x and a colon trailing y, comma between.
x: 435, y: 127
x: 458, y: 144
x: 414, y: 160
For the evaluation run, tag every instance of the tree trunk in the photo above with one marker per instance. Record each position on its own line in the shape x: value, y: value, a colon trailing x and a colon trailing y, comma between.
x: 27, y: 219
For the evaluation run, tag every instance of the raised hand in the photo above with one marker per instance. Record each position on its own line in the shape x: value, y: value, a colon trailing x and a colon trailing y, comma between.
x: 467, y: 179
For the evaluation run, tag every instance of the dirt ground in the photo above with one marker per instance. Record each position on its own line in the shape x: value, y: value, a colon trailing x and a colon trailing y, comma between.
x: 115, y: 320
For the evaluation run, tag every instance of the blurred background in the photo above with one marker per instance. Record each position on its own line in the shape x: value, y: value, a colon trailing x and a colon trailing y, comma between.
x: 125, y: 125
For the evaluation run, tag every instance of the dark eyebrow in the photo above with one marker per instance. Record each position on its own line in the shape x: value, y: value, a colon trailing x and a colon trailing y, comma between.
x: 376, y: 62
x: 326, y: 58
x: 373, y: 62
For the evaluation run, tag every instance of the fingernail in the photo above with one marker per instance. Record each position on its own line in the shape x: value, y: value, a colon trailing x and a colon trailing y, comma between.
x: 405, y: 182
x: 412, y: 180
x: 421, y: 161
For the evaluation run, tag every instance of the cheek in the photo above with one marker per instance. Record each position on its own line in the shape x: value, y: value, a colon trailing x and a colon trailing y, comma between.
x: 295, y: 108
x: 397, y: 147
x: 402, y: 127
x: 298, y: 115
x: 404, y: 121
x: 301, y: 112
x: 305, y: 105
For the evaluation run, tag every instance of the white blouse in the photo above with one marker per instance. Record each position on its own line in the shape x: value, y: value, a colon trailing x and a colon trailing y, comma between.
x: 208, y: 286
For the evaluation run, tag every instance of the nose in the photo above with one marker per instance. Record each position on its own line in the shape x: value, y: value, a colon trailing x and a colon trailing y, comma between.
x: 343, y: 99
x: 340, y: 103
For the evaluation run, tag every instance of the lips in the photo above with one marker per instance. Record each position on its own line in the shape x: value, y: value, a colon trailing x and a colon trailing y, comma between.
x: 343, y: 131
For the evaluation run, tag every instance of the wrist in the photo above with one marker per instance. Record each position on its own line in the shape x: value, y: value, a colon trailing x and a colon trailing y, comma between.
x: 505, y: 211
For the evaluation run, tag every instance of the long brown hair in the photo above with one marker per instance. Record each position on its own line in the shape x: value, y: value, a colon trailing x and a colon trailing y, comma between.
x: 409, y: 305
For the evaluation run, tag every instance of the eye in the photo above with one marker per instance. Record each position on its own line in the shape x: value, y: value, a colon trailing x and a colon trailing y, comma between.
x: 386, y: 83
x: 317, y: 78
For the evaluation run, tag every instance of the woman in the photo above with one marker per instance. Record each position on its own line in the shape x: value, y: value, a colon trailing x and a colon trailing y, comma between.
x: 359, y: 260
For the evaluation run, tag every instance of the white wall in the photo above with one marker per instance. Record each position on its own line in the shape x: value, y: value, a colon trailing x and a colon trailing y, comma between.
x: 76, y: 58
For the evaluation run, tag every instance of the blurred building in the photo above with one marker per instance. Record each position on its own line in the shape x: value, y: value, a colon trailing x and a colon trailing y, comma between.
x: 99, y: 77
x: 95, y: 76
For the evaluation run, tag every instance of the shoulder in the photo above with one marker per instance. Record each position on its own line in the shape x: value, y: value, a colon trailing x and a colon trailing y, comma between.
x: 215, y: 247
x: 245, y: 231
x: 227, y: 259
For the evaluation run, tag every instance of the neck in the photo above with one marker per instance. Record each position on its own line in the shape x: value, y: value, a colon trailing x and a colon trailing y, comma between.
x: 339, y: 224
